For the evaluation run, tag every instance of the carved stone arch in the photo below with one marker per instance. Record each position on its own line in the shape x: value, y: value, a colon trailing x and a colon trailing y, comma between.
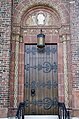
x: 25, y: 5
x: 48, y: 12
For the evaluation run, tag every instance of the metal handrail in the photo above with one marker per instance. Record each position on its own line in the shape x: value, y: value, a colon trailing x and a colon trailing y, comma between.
x: 63, y: 112
x: 20, y: 111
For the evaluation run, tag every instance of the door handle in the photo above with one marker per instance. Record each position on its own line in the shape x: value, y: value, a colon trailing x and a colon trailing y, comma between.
x: 32, y: 92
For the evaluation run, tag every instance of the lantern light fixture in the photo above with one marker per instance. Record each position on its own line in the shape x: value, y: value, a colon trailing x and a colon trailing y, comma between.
x: 41, y: 40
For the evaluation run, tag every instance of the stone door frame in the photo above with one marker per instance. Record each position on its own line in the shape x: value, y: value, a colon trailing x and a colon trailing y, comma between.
x: 19, y: 38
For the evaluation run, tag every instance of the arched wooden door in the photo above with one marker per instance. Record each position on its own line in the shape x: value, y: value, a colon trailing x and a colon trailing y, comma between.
x: 41, y: 85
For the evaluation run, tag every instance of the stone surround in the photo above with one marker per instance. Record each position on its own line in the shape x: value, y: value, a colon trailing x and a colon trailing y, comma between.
x: 13, y: 38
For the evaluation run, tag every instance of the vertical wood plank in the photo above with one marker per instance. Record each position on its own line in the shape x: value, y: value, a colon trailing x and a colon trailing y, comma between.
x: 41, y: 77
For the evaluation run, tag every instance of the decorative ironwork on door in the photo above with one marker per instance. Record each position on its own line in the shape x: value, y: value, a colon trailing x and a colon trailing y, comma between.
x: 41, y: 86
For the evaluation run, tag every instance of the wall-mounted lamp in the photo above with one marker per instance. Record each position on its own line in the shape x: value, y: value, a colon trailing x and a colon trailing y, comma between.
x: 41, y: 40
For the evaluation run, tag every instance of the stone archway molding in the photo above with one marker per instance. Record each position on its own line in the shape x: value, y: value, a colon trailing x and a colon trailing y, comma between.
x: 25, y: 5
x: 20, y: 10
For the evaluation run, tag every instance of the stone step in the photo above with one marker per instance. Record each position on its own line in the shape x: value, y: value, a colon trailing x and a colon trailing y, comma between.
x: 38, y: 117
x: 41, y: 117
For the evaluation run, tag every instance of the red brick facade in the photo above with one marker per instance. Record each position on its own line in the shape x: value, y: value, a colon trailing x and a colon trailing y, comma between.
x: 14, y: 34
x: 5, y: 32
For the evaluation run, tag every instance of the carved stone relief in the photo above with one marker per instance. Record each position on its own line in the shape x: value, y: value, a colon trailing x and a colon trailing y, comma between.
x: 36, y: 31
x: 41, y: 18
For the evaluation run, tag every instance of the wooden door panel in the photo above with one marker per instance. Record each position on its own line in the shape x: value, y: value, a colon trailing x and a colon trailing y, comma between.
x: 41, y: 86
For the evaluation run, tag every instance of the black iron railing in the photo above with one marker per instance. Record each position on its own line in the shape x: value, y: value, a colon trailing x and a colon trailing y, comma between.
x: 63, y: 112
x: 20, y: 111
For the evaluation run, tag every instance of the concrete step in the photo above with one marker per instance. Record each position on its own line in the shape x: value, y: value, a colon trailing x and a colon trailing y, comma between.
x: 38, y: 117
x: 41, y: 117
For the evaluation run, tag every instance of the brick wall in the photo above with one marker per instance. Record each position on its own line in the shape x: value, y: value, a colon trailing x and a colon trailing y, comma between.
x: 74, y: 22
x: 5, y: 31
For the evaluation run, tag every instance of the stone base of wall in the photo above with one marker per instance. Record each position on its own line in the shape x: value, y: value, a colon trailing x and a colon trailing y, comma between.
x: 3, y: 112
x: 76, y: 113
x: 12, y: 112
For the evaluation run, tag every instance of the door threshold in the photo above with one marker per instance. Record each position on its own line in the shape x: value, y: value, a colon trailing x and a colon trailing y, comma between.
x: 41, y: 116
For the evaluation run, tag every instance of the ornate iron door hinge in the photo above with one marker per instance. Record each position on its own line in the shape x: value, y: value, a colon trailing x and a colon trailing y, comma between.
x: 46, y: 66
x: 47, y: 103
